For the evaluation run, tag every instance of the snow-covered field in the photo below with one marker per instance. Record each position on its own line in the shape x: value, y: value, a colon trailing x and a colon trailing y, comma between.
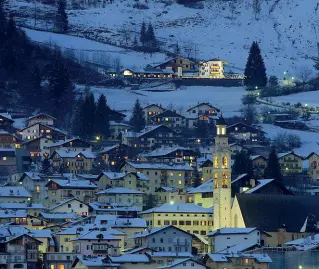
x: 128, y: 58
x: 309, y: 98
x: 286, y: 29
x: 309, y: 140
x: 226, y: 99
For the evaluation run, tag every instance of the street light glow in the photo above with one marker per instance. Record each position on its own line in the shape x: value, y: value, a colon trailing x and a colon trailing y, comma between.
x: 171, y: 202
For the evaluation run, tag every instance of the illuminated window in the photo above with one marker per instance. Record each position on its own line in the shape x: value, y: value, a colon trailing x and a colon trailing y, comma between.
x: 216, y: 183
x: 37, y: 188
x: 113, y: 163
x: 191, y: 157
x: 179, y: 182
x: 52, y: 266
x: 166, y: 119
x: 4, y: 158
x: 171, y: 174
x: 179, y: 174
x: 48, y: 131
x: 224, y: 162
x: 246, y: 261
x: 150, y: 112
x: 223, y: 131
x: 216, y: 162
x: 60, y: 266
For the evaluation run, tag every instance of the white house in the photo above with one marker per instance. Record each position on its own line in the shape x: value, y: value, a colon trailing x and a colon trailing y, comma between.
x: 165, y: 238
x: 223, y: 239
x: 213, y: 68
x: 71, y: 206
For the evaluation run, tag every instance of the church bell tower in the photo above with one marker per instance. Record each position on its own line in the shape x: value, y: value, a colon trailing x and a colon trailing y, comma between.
x: 222, y: 177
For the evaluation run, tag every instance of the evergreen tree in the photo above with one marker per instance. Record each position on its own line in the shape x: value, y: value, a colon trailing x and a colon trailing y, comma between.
x: 202, y: 129
x: 255, y: 71
x: 3, y: 25
x: 137, y: 121
x: 150, y: 38
x: 143, y: 37
x: 135, y: 43
x: 243, y: 164
x: 273, y: 169
x: 88, y: 111
x: 36, y: 93
x: 177, y: 49
x: 102, y: 124
x: 61, y: 90
x: 61, y: 18
x: 46, y: 167
x: 78, y: 118
x: 196, y: 178
x: 150, y: 201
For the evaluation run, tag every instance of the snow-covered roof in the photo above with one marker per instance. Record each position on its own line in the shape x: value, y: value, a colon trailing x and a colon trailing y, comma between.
x: 237, y: 248
x: 227, y: 231
x: 161, y: 166
x: 64, y: 202
x: 37, y: 115
x: 217, y: 257
x: 73, y: 154
x: 120, y: 191
x: 262, y: 183
x: 97, y: 235
x: 130, y: 258
x: 254, y: 157
x: 207, y: 186
x: 239, y: 177
x: 96, y: 262
x: 113, y: 208
x: 106, y: 149
x: 5, y: 214
x: 114, y: 175
x: 150, y: 231
x: 170, y: 254
x: 13, y: 191
x: 163, y: 151
x: 307, y: 243
x: 58, y: 215
x: 74, y: 183
x: 21, y: 206
x: 179, y: 208
x: 32, y: 175
x: 6, y: 115
x: 167, y: 189
x: 44, y: 233
x: 141, y: 176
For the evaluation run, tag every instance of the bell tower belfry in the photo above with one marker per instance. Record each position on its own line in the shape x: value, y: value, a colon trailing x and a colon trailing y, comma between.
x: 222, y: 177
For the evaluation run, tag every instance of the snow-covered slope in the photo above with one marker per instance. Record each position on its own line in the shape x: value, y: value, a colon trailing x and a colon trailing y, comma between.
x: 286, y: 29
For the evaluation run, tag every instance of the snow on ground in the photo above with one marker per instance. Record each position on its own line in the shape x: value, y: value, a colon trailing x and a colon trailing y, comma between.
x: 128, y: 58
x: 19, y: 123
x: 309, y: 140
x: 226, y: 99
x: 286, y: 29
x: 309, y: 98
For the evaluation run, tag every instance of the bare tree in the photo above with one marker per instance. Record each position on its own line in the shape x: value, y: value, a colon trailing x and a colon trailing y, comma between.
x: 117, y: 64
x: 232, y: 8
x: 305, y: 74
x: 189, y: 48
x: 35, y: 12
x: 126, y: 35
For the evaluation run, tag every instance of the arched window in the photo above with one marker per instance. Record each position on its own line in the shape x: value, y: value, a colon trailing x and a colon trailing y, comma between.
x: 225, y: 183
x: 216, y: 162
x: 225, y: 162
x: 215, y: 183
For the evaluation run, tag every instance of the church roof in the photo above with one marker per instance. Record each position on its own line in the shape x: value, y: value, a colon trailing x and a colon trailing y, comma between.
x: 270, y: 212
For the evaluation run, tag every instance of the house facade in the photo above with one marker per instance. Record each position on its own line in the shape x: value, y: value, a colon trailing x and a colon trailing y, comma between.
x: 38, y: 130
x: 243, y: 132
x: 177, y: 176
x: 313, y: 165
x: 41, y: 118
x: 186, y: 216
x: 290, y: 163
x: 6, y: 122
x: 213, y: 69
x: 170, y: 119
x: 152, y: 110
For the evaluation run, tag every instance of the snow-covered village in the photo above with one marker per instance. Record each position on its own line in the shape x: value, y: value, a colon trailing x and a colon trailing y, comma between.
x: 138, y: 134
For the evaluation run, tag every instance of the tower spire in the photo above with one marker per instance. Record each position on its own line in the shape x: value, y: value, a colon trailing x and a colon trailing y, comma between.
x: 222, y: 177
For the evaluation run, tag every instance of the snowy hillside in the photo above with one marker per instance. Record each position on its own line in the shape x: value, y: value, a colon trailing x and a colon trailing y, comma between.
x: 286, y: 29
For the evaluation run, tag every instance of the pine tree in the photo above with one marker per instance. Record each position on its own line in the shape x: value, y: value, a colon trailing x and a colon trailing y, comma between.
x: 78, y: 118
x: 88, y: 116
x: 61, y: 90
x: 255, y: 71
x: 3, y: 25
x: 150, y: 38
x: 135, y: 43
x: 46, y: 167
x: 150, y: 201
x: 273, y: 169
x: 102, y: 124
x: 177, y: 49
x: 137, y: 121
x: 196, y: 178
x: 61, y: 18
x: 243, y: 164
x: 36, y: 92
x: 143, y: 37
